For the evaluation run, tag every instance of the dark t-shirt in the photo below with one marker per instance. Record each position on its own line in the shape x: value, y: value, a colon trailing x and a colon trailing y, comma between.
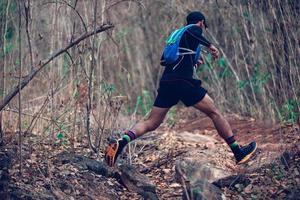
x: 183, y: 67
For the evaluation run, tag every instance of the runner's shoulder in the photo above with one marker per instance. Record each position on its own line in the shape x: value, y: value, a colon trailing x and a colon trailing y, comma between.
x: 195, y: 30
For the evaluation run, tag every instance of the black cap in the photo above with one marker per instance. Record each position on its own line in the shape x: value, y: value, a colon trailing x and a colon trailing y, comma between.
x: 194, y: 17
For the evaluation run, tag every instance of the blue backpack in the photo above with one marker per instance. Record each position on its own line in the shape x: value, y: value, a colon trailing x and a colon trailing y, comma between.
x: 171, y: 51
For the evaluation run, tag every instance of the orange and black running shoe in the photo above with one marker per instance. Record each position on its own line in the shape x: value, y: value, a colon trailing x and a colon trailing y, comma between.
x: 112, y: 152
x: 246, y: 153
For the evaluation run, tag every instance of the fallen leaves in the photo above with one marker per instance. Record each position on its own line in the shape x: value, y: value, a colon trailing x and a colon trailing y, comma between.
x: 42, y: 176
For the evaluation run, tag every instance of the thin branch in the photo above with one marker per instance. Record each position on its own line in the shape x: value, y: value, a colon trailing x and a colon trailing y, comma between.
x: 73, y: 8
x: 19, y: 90
x: 44, y: 62
x: 89, y: 105
x: 26, y: 114
x: 117, y: 2
x: 27, y: 18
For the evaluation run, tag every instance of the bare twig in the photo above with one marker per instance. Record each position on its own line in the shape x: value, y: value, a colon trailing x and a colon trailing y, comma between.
x: 89, y: 105
x: 26, y: 114
x: 27, y: 18
x: 4, y: 26
x: 139, y: 2
x: 73, y: 8
x: 19, y: 89
x: 185, y: 184
x: 161, y: 161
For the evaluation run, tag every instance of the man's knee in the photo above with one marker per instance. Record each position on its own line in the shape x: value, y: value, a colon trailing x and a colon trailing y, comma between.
x: 208, y: 107
x: 214, y: 113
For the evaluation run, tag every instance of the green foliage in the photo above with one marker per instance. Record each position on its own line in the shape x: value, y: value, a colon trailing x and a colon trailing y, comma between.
x: 171, y: 116
x: 222, y: 62
x: 61, y: 131
x: 66, y: 65
x: 277, y: 173
x: 253, y: 197
x: 147, y: 101
x: 269, y: 30
x: 107, y: 92
x: 11, y: 9
x: 197, y: 192
x: 10, y: 31
x: 247, y: 16
x: 288, y: 111
x: 207, y: 64
x: 60, y: 136
x: 225, y: 70
x: 144, y: 103
x: 9, y: 46
x: 46, y: 130
x: 242, y: 84
x: 220, y: 67
x: 25, y: 125
x: 122, y: 33
x: 244, y: 2
x: 1, y: 92
x: 259, y: 78
x: 108, y: 88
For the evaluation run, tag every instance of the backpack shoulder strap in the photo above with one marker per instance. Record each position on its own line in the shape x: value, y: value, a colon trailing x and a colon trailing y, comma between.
x: 177, y: 34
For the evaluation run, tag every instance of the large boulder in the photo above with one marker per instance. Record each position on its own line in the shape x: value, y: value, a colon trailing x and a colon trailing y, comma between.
x: 137, y: 182
x: 195, y: 176
x: 126, y: 174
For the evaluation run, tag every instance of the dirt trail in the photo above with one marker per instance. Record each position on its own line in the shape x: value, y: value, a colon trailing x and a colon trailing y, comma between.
x: 203, y: 148
x: 272, y: 139
x: 193, y: 143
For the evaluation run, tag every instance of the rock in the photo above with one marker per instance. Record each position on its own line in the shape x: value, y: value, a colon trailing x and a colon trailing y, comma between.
x: 86, y: 163
x: 202, y: 189
x: 199, y: 169
x: 248, y: 189
x: 195, y: 138
x: 210, y: 145
x: 137, y: 182
x: 166, y: 171
x: 22, y: 193
x: 174, y: 185
x: 195, y: 178
x: 95, y: 166
x: 128, y: 175
x: 232, y: 180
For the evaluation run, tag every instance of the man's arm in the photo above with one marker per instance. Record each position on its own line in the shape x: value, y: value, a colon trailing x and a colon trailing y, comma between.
x: 197, y: 34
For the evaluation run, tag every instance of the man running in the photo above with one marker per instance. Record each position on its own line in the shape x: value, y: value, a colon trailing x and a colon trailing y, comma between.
x: 177, y: 84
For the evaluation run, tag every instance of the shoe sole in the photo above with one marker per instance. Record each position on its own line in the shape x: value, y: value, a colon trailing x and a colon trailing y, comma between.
x: 246, y: 158
x: 111, y: 152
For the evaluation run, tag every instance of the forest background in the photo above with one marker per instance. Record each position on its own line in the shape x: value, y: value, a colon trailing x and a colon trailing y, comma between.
x: 111, y: 78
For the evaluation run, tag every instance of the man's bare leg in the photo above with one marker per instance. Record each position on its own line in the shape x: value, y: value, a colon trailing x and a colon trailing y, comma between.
x: 155, y: 118
x: 242, y: 154
x: 206, y: 105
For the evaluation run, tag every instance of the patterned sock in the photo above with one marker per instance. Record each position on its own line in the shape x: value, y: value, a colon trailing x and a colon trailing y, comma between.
x: 233, y: 144
x: 126, y: 138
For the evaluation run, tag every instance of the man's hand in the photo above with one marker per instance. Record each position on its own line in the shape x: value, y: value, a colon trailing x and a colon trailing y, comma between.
x: 214, y: 51
x: 200, y: 62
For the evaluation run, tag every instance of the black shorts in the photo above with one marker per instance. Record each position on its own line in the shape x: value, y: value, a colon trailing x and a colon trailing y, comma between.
x: 189, y: 91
